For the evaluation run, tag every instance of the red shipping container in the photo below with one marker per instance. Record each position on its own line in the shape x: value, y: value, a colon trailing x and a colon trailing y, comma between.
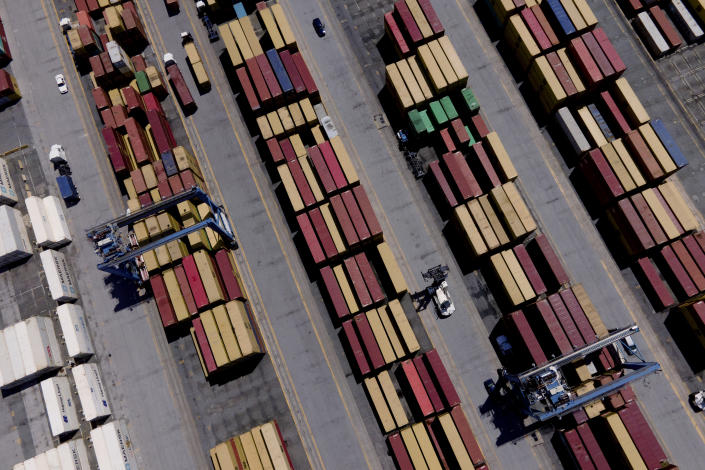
x: 580, y: 454
x: 321, y: 168
x: 442, y: 379
x: 310, y: 236
x: 120, y: 116
x: 368, y: 339
x: 561, y: 73
x: 343, y: 218
x: 649, y: 219
x: 334, y: 292
x: 258, y: 80
x: 319, y: 224
x: 578, y: 315
x: 548, y: 317
x: 306, y: 76
x: 432, y: 17
x: 138, y: 140
x: 598, y: 55
x: 92, y: 5
x: 420, y: 397
x: 151, y: 103
x: 275, y: 150
x: 369, y: 277
x: 666, y: 27
x: 478, y: 126
x: 333, y: 165
x: 358, y: 284
x: 617, y: 117
x: 190, y: 180
x: 115, y: 150
x: 642, y: 435
x: 689, y: 264
x: 228, y: 275
x: 101, y: 98
x: 194, y: 281
x: 107, y: 64
x: 106, y: 116
x: 86, y: 37
x: 164, y: 189
x: 159, y: 171
x: 145, y: 200
x: 642, y: 156
x: 600, y: 177
x: 161, y: 298
x: 362, y: 365
x: 656, y: 285
x: 528, y: 266
x: 466, y: 434
x: 268, y: 75
x: 545, y: 257
x: 588, y: 68
x: 631, y: 227
x: 138, y: 63
x: 138, y: 181
x: 676, y: 269
x: 203, y: 345
x: 175, y: 184
x: 247, y: 88
x: 401, y: 456
x: 403, y: 13
x: 535, y: 28
x: 159, y: 134
x: 428, y: 384
x: 695, y: 251
x: 436, y: 445
x: 460, y: 172
x: 461, y: 134
x: 81, y: 5
x: 545, y: 25
x: 367, y: 212
x: 287, y: 149
x: 390, y: 25
x: 566, y: 321
x: 185, y: 289
x: 292, y: 71
x: 592, y: 447
x: 355, y: 215
x: 609, y: 50
x: 96, y: 66
x: 518, y: 322
x: 133, y: 100
x: 442, y: 183
x: 479, y: 151
x: 447, y: 140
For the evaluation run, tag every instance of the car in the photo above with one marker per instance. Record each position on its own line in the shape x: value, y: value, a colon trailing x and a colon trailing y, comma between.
x: 319, y: 27
x: 442, y: 299
x: 697, y: 400
x: 629, y: 345
x: 61, y: 83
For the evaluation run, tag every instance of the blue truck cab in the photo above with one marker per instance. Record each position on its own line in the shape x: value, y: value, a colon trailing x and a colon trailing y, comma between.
x: 67, y: 188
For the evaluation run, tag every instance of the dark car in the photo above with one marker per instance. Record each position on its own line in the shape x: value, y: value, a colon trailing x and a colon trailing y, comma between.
x: 319, y: 27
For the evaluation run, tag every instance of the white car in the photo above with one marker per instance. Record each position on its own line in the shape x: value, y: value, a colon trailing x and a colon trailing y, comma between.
x: 443, y: 301
x: 61, y: 83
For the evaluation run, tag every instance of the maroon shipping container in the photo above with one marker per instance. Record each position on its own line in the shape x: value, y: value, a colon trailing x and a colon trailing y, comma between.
x: 333, y: 165
x: 407, y: 20
x: 561, y: 73
x: 292, y: 71
x: 555, y: 329
x: 358, y: 220
x: 642, y: 435
x: 138, y: 141
x: 518, y: 322
x: 319, y: 224
x: 436, y: 445
x: 358, y: 284
x: 463, y: 179
x: 321, y: 168
x: 258, y: 80
x: 616, y: 116
x: 547, y: 261
x: 164, y: 189
x: 227, y: 274
x: 401, y: 456
x: 689, y: 264
x: 677, y: 271
x: 310, y: 236
x: 362, y: 365
x: 447, y: 140
x: 535, y: 28
x: 161, y: 298
x: 268, y: 75
x: 107, y: 64
x: 578, y: 315
x: 306, y: 76
x: 138, y: 181
x: 545, y: 25
x: 133, y: 100
x: 119, y: 113
x: 592, y: 447
x: 176, y: 184
x: 185, y: 289
x: 579, y: 416
x: 597, y: 54
x: 151, y: 103
x: 390, y: 25
x: 101, y: 98
x: 643, y: 157
x: 96, y: 66
x: 600, y: 177
x: 478, y: 126
x: 609, y: 50
x: 656, y: 285
x: 301, y: 182
x: 700, y: 238
x: 695, y: 251
x: 81, y: 5
x: 580, y: 454
x: 159, y: 171
x: 369, y: 342
x: 466, y: 434
x: 432, y: 17
x: 428, y: 384
x: 343, y: 218
x: 566, y: 321
x: 479, y: 151
x: 697, y: 311
x: 528, y: 266
x: 631, y: 227
x: 334, y: 292
x: 138, y: 63
x: 247, y: 88
x: 461, y: 134
x: 190, y: 180
x: 666, y: 27
x: 367, y: 212
x: 116, y: 150
x: 106, y: 115
x: 179, y: 85
x: 587, y: 66
x: 441, y: 378
x: 159, y: 133
x: 420, y: 397
x: 145, y: 200
x: 369, y: 277
x: 275, y: 150
x: 442, y: 183
x: 203, y: 345
x: 649, y: 219
x: 194, y: 281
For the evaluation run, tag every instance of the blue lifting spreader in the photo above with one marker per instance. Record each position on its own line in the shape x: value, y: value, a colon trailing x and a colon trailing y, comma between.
x: 119, y: 253
x: 542, y: 392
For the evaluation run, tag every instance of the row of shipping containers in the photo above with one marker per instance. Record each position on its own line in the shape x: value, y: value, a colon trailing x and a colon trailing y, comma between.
x: 362, y: 283
x: 262, y: 447
x: 70, y: 455
x: 9, y: 91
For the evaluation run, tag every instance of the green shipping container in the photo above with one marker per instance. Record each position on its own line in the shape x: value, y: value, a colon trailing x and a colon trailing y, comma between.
x: 142, y: 82
x: 416, y: 121
x: 470, y: 100
x: 439, y: 116
x: 449, y: 108
x: 472, y: 138
x: 427, y: 121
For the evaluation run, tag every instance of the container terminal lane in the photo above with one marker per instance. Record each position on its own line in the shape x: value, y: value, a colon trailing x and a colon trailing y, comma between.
x: 221, y: 266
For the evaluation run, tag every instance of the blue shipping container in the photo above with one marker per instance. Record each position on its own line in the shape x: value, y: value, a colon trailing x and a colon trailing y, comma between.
x: 601, y: 122
x: 279, y: 71
x: 66, y: 187
x: 169, y: 163
x: 561, y: 17
x: 670, y: 144
x: 239, y: 10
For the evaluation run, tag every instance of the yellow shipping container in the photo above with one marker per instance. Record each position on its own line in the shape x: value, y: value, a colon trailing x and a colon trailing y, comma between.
x: 627, y: 98
x: 391, y: 334
x: 225, y: 328
x: 283, y: 24
x: 249, y: 31
x: 470, y: 230
x: 344, y: 160
x: 167, y: 223
x: 572, y: 73
x: 659, y: 151
x: 519, y: 206
x: 626, y: 444
x: 392, y: 267
x: 230, y: 45
x: 483, y: 224
x: 420, y: 79
x: 153, y: 227
x: 209, y: 276
x: 427, y: 449
x: 264, y: 128
x: 380, y: 335
x: 130, y: 188
x: 192, y: 53
x: 511, y: 289
x: 292, y: 193
x: 575, y: 17
x: 330, y: 223
x: 454, y: 60
x: 175, y: 295
x: 297, y: 115
x: 309, y: 113
x: 311, y: 179
x: 492, y: 217
x: 396, y: 83
x: 438, y: 81
x: 345, y: 288
x: 679, y: 206
x: 271, y: 26
x: 214, y: 340
x: 379, y: 405
x: 412, y: 447
x: 241, y: 40
x: 285, y: 118
x: 199, y: 72
x: 411, y: 85
x: 443, y: 63
x: 518, y: 274
x: 628, y: 162
x: 297, y: 144
x: 150, y: 261
x: 140, y: 231
x: 497, y: 150
x: 187, y: 209
x: 419, y: 18
x: 618, y: 167
x: 411, y: 344
x: 177, y: 249
x: 504, y: 206
x: 275, y: 123
x: 163, y: 257
x: 243, y: 328
x: 251, y: 455
x: 392, y: 397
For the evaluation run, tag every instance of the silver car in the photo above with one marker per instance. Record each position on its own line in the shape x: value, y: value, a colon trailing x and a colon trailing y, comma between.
x: 61, y: 83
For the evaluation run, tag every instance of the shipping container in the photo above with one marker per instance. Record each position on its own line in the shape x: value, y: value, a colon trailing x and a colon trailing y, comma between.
x: 407, y: 20
x: 182, y: 92
x: 161, y: 298
x: 310, y: 236
x: 58, y: 275
x: 665, y: 27
x: 441, y: 181
x: 356, y: 216
x: 13, y: 233
x: 391, y: 266
x: 73, y: 455
x: 334, y: 292
x: 113, y: 447
x: 75, y: 330
x: 343, y: 218
x: 358, y: 284
x: 394, y: 34
x: 323, y: 232
x: 311, y: 87
x: 60, y: 408
x: 356, y: 349
x: 560, y: 16
x: 669, y: 143
x: 380, y: 406
x: 333, y: 165
x: 441, y: 378
x: 572, y: 132
x: 625, y: 96
x: 683, y: 18
x: 383, y: 342
x: 546, y: 325
x: 346, y: 289
x: 91, y: 393
x: 293, y: 73
x: 450, y: 439
x: 401, y: 456
x: 368, y: 213
x: 598, y: 55
x: 588, y: 68
x: 509, y: 285
x: 650, y: 34
x: 411, y: 344
x: 8, y: 195
x: 523, y: 333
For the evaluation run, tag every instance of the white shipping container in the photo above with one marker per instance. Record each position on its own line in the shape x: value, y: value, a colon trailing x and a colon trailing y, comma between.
x: 38, y: 219
x: 73, y: 455
x: 53, y: 459
x: 60, y: 407
x: 59, y: 277
x: 113, y: 447
x: 75, y: 330
x: 91, y: 392
x: 19, y: 466
x: 7, y: 374
x: 45, y: 346
x: 56, y: 218
x: 14, y: 241
x: 100, y: 447
x: 13, y: 349
x: 685, y: 21
x: 7, y: 187
x: 32, y: 348
x: 28, y: 358
x: 650, y: 34
x: 572, y: 131
x: 31, y: 464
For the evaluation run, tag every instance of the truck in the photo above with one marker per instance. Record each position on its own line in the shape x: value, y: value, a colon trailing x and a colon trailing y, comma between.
x: 67, y: 189
x: 194, y: 58
x: 178, y: 83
